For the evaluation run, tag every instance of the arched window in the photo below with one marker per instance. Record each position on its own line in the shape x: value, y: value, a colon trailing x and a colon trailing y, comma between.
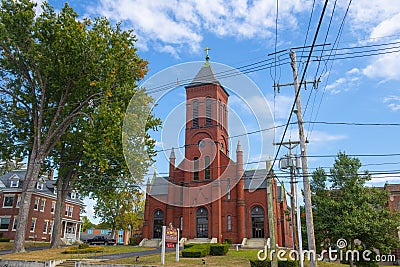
x: 208, y: 111
x: 196, y: 169
x: 202, y: 222
x: 257, y: 222
x: 158, y: 222
x: 195, y: 114
x: 229, y: 223
x: 207, y: 168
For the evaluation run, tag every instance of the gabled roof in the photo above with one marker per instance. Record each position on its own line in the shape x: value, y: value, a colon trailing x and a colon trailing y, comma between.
x: 205, y: 75
x: 255, y: 179
x: 48, y: 188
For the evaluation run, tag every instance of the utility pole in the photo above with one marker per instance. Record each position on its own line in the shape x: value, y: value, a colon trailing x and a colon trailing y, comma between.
x: 271, y: 217
x: 306, y: 181
x: 290, y: 145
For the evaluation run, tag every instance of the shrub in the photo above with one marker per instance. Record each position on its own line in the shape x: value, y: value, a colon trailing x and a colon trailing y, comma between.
x: 196, y: 250
x: 228, y: 241
x: 267, y: 263
x: 258, y: 263
x: 133, y: 241
x: 367, y: 264
x: 188, y: 245
x: 83, y: 245
x: 219, y: 249
x: 76, y: 250
x: 288, y: 263
x: 3, y: 239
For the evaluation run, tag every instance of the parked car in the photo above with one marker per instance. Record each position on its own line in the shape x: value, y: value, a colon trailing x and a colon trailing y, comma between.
x: 101, y: 240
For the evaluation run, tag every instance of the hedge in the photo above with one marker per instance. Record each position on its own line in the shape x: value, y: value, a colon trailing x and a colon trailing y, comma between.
x: 228, y: 241
x: 3, y: 239
x: 219, y: 249
x: 288, y: 263
x: 76, y: 250
x: 195, y: 252
x: 267, y: 263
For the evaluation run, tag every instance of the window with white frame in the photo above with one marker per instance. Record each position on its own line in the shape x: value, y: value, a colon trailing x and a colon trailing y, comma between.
x: 8, y: 201
x: 36, y: 204
x: 229, y: 223
x: 18, y: 201
x: 42, y: 204
x: 14, y: 228
x: 71, y: 210
x: 53, y: 207
x: 45, y: 226
x: 66, y: 210
x: 14, y: 182
x: 73, y: 194
x: 4, y: 223
x: 33, y: 225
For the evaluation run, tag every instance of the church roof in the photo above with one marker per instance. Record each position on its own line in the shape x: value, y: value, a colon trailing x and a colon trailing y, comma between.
x: 205, y: 75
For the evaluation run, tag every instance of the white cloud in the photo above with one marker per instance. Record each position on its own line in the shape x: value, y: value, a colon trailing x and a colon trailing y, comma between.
x: 374, y: 17
x: 381, y: 179
x: 182, y: 24
x: 344, y: 83
x: 393, y: 102
x: 378, y: 21
x: 89, y: 210
x: 385, y: 66
x: 283, y: 105
x: 323, y: 137
x: 387, y: 27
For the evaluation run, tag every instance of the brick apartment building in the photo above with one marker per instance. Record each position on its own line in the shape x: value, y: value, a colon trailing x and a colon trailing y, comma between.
x: 41, y: 212
x: 394, y: 205
x: 208, y: 195
x: 121, y: 236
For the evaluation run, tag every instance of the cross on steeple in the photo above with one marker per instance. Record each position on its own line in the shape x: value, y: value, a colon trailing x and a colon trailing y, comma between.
x: 207, y: 49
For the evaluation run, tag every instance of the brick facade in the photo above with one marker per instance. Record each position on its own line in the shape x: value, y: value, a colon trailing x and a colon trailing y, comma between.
x: 208, y: 195
x: 41, y: 212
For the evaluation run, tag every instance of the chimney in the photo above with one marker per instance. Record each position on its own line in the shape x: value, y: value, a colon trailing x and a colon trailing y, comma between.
x: 50, y: 174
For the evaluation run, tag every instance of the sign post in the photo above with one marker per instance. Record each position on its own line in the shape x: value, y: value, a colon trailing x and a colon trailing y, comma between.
x: 170, y: 239
x: 177, y: 248
x: 164, y: 228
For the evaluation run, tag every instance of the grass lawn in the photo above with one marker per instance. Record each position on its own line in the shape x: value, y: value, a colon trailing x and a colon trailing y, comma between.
x: 28, y: 244
x: 57, y: 254
x: 233, y: 258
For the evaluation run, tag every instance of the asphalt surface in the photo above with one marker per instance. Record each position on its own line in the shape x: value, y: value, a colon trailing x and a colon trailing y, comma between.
x: 3, y: 252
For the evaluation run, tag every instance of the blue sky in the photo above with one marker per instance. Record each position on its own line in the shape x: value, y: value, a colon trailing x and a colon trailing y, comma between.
x: 360, y: 89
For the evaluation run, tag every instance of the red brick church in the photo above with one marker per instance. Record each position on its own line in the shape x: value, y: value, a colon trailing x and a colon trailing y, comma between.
x: 208, y: 195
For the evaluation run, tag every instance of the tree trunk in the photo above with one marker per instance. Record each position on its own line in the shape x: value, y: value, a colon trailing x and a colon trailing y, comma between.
x: 62, y: 193
x: 28, y: 187
x: 352, y: 249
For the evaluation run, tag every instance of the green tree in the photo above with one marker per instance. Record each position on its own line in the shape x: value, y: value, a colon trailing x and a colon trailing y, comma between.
x: 55, y: 70
x: 87, y: 224
x: 345, y: 208
x: 113, y: 206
